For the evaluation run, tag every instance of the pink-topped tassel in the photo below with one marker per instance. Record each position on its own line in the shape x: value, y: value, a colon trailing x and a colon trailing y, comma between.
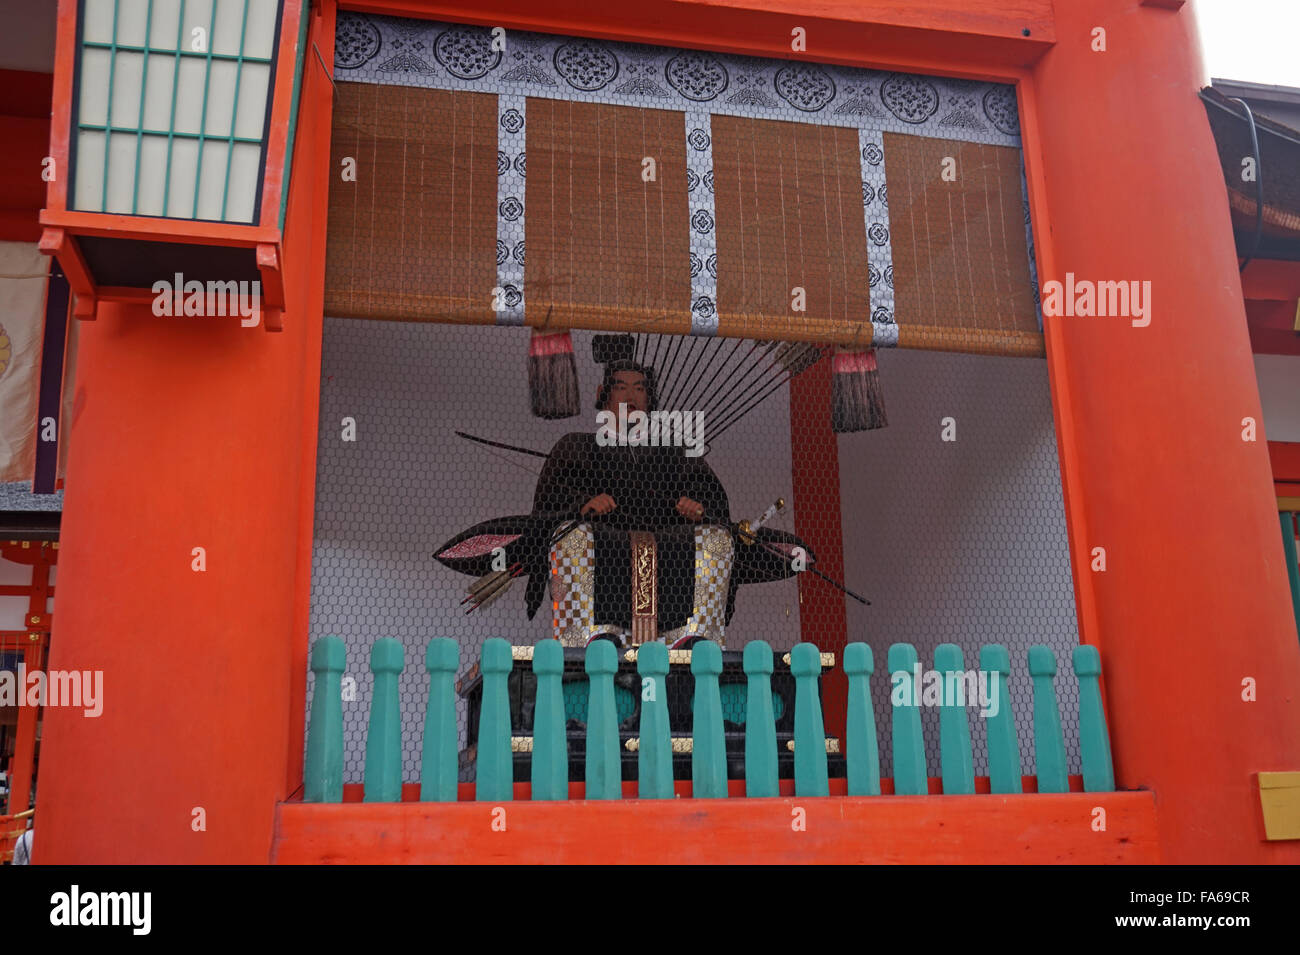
x: 552, y: 375
x: 857, y: 403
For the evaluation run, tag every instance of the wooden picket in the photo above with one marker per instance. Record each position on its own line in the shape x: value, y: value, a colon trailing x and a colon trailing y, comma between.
x: 438, y: 767
x: 1000, y: 725
x: 1094, y: 738
x: 322, y: 775
x: 323, y: 769
x: 384, y: 736
x: 550, y: 742
x: 709, y: 754
x: 1049, y: 743
x: 863, y: 757
x: 761, y: 771
x: 604, y: 763
x: 955, y: 762
x: 496, y: 770
x: 911, y: 778
x: 655, y: 758
x: 810, y: 771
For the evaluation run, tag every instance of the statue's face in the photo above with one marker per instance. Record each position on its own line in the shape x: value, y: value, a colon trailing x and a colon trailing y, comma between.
x: 628, y: 388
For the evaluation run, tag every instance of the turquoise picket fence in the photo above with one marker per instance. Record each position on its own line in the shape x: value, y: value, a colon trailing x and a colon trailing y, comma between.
x: 655, y: 746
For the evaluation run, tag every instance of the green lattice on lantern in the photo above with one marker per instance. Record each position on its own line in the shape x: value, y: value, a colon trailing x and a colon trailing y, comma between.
x: 172, y: 106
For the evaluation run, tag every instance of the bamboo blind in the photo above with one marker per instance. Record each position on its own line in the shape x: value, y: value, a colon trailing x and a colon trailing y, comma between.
x: 414, y: 237
x: 788, y: 199
x: 608, y: 247
x: 961, y: 262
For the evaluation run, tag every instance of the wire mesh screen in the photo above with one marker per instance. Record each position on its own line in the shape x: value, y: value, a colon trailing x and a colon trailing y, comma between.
x: 585, y: 528
x: 633, y: 483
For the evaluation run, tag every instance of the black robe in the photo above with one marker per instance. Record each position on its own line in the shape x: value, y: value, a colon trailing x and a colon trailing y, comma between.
x: 645, y: 483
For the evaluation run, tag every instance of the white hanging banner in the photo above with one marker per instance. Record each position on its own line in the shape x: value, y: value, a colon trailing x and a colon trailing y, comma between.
x: 23, y: 280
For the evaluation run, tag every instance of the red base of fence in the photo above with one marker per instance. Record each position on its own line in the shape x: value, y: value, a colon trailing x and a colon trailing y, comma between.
x: 1030, y: 828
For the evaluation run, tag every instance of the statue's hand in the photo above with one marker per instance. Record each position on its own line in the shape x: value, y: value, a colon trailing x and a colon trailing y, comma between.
x: 600, y: 504
x: 691, y: 510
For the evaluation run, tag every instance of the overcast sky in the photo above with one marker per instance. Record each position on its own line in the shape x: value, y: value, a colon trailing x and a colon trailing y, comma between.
x: 1257, y: 41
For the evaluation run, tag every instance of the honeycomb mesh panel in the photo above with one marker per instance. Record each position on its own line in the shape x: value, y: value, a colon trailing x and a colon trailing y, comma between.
x: 953, y: 541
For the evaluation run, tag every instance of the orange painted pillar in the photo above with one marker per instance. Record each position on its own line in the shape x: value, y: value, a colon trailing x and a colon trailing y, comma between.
x: 1193, y: 599
x: 191, y: 433
x: 815, y: 480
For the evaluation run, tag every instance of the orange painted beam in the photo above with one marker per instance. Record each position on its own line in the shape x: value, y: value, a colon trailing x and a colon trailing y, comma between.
x: 160, y: 230
x: 957, y: 37
x: 846, y: 830
x: 58, y: 243
x: 61, y: 108
x: 815, y: 468
x: 204, y: 714
x: 281, y: 101
x: 355, y: 792
x: 1181, y: 617
x: 304, y: 269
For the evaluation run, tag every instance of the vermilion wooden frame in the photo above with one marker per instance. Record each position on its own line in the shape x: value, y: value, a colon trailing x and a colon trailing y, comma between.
x: 62, y: 225
x: 842, y: 829
x: 1007, y: 61
x: 1126, y: 459
x: 1008, y: 71
x: 1009, y: 64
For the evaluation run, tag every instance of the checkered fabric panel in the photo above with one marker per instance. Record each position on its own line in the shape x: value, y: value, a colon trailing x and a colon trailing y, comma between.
x: 573, y: 588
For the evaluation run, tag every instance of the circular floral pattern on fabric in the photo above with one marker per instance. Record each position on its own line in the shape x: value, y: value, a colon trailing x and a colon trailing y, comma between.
x: 708, y: 180
x: 698, y: 140
x: 503, y: 163
x: 521, y: 164
x: 511, y: 208
x: 878, y: 234
x: 519, y: 252
x: 882, y: 316
x: 872, y: 154
x: 703, y: 307
x: 512, y: 121
x: 585, y: 65
x: 356, y: 40
x: 889, y: 275
x: 696, y: 265
x: 503, y: 252
x: 910, y: 98
x: 466, y: 52
x: 1000, y: 108
x: 884, y: 195
x: 697, y: 76
x: 711, y: 263
x: 702, y: 221
x: 868, y: 194
x: 873, y: 276
x: 511, y: 295
x: 692, y: 180
x: 804, y: 87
